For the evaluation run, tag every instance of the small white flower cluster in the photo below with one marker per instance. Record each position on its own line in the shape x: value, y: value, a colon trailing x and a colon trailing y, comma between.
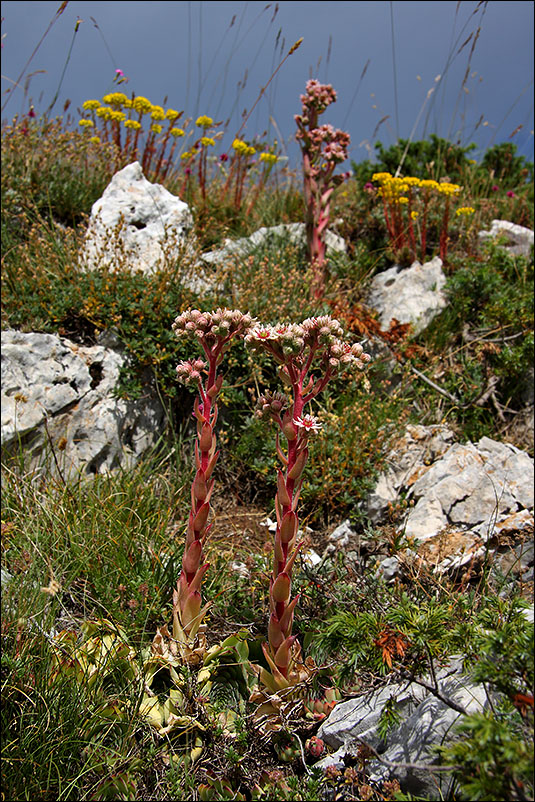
x: 210, y: 326
x: 321, y: 334
x: 189, y: 371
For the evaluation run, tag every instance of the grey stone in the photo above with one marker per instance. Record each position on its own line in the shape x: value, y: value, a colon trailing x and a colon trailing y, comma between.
x: 427, y: 721
x: 413, y: 295
x: 294, y: 233
x: 57, y: 400
x: 519, y: 240
x: 136, y: 223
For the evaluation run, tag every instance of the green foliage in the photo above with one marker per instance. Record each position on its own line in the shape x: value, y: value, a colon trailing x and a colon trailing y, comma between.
x: 506, y: 167
x: 431, y: 158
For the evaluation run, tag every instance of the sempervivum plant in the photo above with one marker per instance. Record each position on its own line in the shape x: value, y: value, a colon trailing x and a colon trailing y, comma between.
x: 309, y: 355
x: 215, y: 332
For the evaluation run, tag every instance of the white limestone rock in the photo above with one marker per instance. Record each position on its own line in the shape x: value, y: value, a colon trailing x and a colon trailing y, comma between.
x: 412, y: 295
x: 137, y: 223
x: 57, y: 399
x: 519, y: 239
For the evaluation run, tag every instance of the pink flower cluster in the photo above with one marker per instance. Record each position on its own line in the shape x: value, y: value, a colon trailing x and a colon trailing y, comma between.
x: 212, y: 328
x: 318, y: 96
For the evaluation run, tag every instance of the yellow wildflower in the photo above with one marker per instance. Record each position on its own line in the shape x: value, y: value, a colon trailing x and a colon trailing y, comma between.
x: 115, y: 99
x: 141, y: 104
x: 156, y: 129
x: 449, y: 189
x: 204, y: 122
x: 119, y: 116
x: 412, y: 181
x: 403, y: 200
x: 177, y: 132
x: 95, y: 140
x: 86, y: 123
x: 207, y: 140
x: 464, y: 210
x: 187, y: 154
x: 132, y: 124
x: 428, y: 183
x: 414, y: 215
x: 381, y: 177
x: 270, y: 158
x: 157, y: 113
x: 104, y: 112
x: 91, y: 104
x: 171, y: 114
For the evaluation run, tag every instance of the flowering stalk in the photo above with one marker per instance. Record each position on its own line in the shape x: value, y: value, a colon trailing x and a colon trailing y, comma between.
x: 214, y: 331
x: 315, y: 344
x: 322, y: 148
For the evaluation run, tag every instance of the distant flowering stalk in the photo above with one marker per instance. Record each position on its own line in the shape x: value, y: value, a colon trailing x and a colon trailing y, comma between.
x: 268, y: 160
x: 205, y: 142
x: 314, y: 345
x: 448, y: 190
x: 322, y: 148
x: 214, y: 332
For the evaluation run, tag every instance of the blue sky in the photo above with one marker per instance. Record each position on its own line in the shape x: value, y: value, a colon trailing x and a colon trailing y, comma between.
x: 213, y: 58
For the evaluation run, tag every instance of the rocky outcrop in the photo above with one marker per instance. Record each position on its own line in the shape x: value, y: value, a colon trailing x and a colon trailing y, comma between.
x: 517, y: 240
x: 411, y: 295
x: 136, y: 224
x: 293, y: 233
x: 59, y: 411
x: 427, y: 720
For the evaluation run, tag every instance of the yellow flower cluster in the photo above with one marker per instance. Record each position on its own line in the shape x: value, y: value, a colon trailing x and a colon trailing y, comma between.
x: 86, y: 123
x: 156, y: 129
x: 141, y: 104
x: 464, y: 210
x: 104, y: 112
x: 115, y: 99
x: 172, y: 114
x: 91, y: 104
x: 157, y: 113
x: 134, y: 124
x: 177, y: 132
x: 207, y: 140
x: 449, y: 189
x: 270, y: 158
x: 204, y: 122
x: 243, y: 148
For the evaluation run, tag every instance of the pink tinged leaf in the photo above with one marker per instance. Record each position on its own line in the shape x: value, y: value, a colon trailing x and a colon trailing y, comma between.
x: 297, y: 469
x: 282, y: 655
x: 278, y: 550
x: 280, y: 679
x: 205, y: 440
x: 274, y: 632
x: 281, y: 588
x: 215, y: 389
x: 192, y: 557
x: 289, y: 430
x: 288, y: 617
x: 195, y: 583
x: 284, y: 498
x: 191, y: 609
x: 197, y: 411
x: 288, y: 568
x: 288, y: 527
x: 211, y: 465
x: 201, y: 517
x: 199, y: 487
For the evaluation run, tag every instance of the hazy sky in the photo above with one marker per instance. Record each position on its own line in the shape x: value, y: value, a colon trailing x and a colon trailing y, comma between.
x: 213, y: 58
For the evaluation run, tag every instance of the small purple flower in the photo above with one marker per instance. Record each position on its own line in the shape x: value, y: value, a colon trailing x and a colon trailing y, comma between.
x: 511, y: 194
x: 223, y: 157
x: 119, y: 73
x: 369, y: 187
x: 495, y: 188
x: 188, y: 171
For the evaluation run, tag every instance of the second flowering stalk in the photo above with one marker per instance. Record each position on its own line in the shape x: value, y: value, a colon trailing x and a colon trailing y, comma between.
x: 314, y: 345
